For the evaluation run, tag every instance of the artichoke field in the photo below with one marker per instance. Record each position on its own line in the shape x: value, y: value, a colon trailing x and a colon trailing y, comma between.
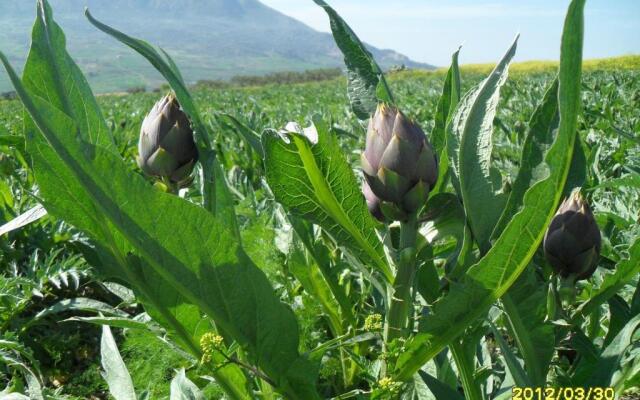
x: 411, y: 235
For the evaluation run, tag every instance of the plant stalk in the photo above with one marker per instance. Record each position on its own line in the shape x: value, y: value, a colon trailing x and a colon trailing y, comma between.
x: 400, y: 303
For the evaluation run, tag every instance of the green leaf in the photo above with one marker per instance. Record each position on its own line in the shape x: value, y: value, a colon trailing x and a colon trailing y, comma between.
x: 578, y: 172
x: 469, y: 146
x: 366, y: 83
x: 315, y: 182
x: 75, y: 176
x: 308, y: 273
x: 491, y: 277
x: 318, y: 255
x: 50, y: 73
x: 619, y: 314
x: 631, y: 180
x: 160, y: 300
x: 601, y: 373
x: 624, y: 272
x: 166, y: 305
x: 115, y: 371
x: 93, y: 189
x: 544, y: 122
x: 13, y: 354
x: 24, y: 219
x: 166, y: 67
x: 445, y: 109
x: 447, y: 104
x: 525, y: 308
x: 116, y: 322
x: 78, y: 304
x: 185, y: 324
x: 518, y: 373
x: 440, y: 390
x: 183, y: 389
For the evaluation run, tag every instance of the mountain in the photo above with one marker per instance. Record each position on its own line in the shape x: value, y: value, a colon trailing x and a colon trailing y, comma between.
x: 209, y: 39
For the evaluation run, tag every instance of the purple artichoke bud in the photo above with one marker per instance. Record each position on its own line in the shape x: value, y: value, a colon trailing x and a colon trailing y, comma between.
x: 399, y: 164
x: 572, y: 242
x: 166, y: 148
x: 373, y: 202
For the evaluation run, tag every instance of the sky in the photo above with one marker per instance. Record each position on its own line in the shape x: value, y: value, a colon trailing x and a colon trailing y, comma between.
x: 431, y: 30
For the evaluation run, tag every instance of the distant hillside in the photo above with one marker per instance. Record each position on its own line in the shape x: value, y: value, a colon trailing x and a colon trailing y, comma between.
x: 210, y: 39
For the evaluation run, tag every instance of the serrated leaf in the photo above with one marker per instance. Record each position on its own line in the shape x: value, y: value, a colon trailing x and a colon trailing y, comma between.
x: 491, y: 277
x: 315, y: 182
x: 366, y: 83
x: 469, y: 146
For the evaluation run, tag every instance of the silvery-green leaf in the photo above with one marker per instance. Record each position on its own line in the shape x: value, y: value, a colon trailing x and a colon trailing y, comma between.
x: 115, y: 370
x: 183, y: 389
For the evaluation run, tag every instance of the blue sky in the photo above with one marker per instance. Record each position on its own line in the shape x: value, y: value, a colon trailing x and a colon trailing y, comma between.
x: 430, y: 30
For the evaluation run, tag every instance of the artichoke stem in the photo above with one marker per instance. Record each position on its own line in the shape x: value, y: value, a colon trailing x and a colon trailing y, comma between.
x: 400, y: 303
x: 567, y: 290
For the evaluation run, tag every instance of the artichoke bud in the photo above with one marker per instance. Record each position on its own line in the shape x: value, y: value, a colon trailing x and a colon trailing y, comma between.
x: 373, y: 202
x: 166, y: 148
x: 572, y: 241
x: 400, y: 166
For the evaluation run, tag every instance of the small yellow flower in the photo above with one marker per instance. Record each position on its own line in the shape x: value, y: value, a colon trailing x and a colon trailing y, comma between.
x: 385, y: 383
x: 388, y: 385
x: 209, y: 343
x: 373, y: 323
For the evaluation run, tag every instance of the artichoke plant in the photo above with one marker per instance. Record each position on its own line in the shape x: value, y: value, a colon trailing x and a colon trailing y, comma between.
x: 399, y: 165
x: 166, y: 148
x: 572, y: 241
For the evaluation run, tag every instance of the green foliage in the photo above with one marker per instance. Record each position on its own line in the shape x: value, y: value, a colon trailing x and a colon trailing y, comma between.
x: 367, y: 84
x: 268, y: 278
x: 310, y: 178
